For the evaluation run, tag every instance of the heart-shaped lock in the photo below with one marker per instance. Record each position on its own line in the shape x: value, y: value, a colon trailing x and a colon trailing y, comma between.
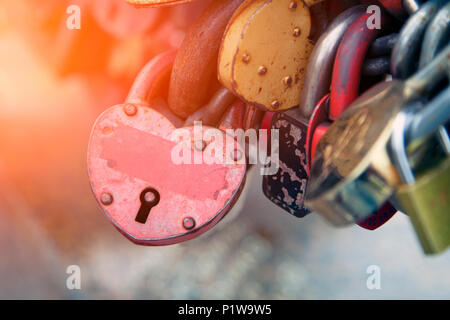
x: 136, y: 174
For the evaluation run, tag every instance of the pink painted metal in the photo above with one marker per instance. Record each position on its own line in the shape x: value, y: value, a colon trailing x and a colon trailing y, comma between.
x: 267, y: 120
x: 133, y: 148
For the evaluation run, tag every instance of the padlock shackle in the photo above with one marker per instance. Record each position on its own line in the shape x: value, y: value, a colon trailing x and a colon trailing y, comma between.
x: 436, y: 35
x: 217, y: 106
x: 320, y: 65
x: 399, y: 154
x: 411, y: 126
x: 383, y: 46
x: 376, y: 66
x: 423, y: 81
x: 148, y: 83
x: 319, y: 116
x: 253, y: 117
x: 213, y: 111
x: 404, y: 55
x: 426, y: 121
x: 234, y: 116
x: 349, y: 62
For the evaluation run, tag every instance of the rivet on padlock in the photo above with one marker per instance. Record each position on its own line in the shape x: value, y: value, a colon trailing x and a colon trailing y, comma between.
x: 351, y: 176
x: 145, y: 194
x: 287, y: 187
x: 424, y: 197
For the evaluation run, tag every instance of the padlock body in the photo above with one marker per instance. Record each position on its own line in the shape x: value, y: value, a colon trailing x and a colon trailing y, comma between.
x: 428, y: 205
x: 129, y: 154
x: 287, y: 187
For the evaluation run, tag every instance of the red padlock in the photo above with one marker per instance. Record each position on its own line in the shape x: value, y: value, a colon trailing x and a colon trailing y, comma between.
x: 344, y: 90
x: 267, y: 120
x: 317, y: 126
x: 349, y: 62
x: 148, y: 197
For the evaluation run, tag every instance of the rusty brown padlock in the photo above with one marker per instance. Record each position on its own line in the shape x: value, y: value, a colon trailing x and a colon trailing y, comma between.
x: 195, y: 65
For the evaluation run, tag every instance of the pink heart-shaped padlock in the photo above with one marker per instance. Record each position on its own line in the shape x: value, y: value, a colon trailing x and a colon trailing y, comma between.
x: 129, y: 155
x: 136, y: 174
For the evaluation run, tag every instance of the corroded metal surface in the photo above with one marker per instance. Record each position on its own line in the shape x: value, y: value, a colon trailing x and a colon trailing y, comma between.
x: 127, y: 155
x: 287, y: 187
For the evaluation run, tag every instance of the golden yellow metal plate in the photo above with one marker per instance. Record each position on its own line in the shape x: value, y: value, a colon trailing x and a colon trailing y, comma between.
x: 265, y: 51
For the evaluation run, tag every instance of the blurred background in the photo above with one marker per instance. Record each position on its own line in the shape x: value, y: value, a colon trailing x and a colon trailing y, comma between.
x: 54, y: 82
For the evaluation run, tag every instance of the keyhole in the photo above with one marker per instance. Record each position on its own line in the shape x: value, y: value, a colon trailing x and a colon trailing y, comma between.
x: 149, y: 199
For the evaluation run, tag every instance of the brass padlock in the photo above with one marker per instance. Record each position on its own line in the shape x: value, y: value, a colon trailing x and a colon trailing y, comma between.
x: 424, y: 195
x: 265, y: 51
x: 352, y: 175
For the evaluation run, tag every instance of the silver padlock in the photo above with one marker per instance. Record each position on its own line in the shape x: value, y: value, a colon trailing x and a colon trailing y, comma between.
x: 405, y: 55
x: 436, y: 36
x: 352, y: 175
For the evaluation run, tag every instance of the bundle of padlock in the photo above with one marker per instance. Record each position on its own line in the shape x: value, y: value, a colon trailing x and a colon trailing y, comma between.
x: 354, y: 144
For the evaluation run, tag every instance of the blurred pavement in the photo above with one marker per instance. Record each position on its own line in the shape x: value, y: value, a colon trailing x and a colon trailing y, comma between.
x: 50, y: 220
